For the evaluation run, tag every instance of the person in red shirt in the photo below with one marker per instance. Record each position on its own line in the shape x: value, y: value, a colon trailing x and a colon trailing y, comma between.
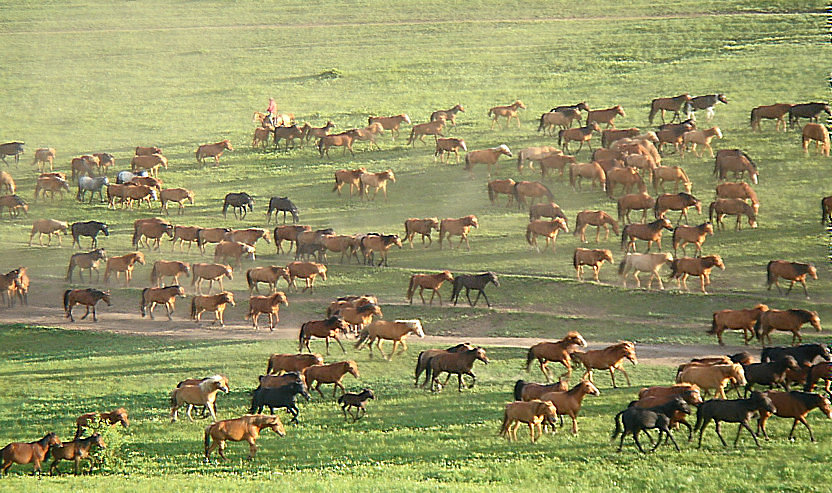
x: 271, y: 111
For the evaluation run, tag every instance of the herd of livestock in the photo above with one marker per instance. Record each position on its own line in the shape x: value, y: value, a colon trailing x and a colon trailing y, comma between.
x: 628, y: 157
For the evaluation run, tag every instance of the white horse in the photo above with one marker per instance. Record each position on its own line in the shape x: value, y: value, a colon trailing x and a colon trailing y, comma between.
x: 643, y: 262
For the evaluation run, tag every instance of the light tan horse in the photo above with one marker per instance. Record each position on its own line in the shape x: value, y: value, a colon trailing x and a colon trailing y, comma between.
x: 448, y: 145
x: 6, y: 181
x: 497, y: 187
x: 547, y: 229
x: 316, y: 132
x: 261, y: 137
x: 633, y: 202
x: 593, y: 258
x: 682, y: 235
x: 307, y: 271
x: 598, y: 219
x: 593, y: 171
x: 376, y: 181
x: 50, y: 184
x: 557, y: 351
x: 391, y: 123
x: 184, y: 234
x: 44, y: 156
x: 533, y: 154
x: 212, y: 150
x: 738, y: 190
x: 428, y: 281
x: 434, y: 127
x: 246, y: 428
x: 48, y: 227
x: 396, y: 331
x: 123, y: 263
x: 643, y: 262
x: 266, y: 305
x: 534, y: 413
x: 351, y: 177
x: 818, y: 133
x: 204, y: 394
x: 210, y: 273
x: 422, y: 227
x: 369, y: 134
x: 610, y: 358
x: 449, y: 115
x: 177, y: 195
x: 675, y: 174
x: 563, y: 119
x: 86, y: 261
x: 700, y: 267
x: 457, y: 227
x: 212, y: 302
x: 150, y: 163
x: 550, y: 210
x: 160, y: 296
x: 713, y: 377
x: 605, y: 116
x: 488, y: 157
x: 743, y: 320
x: 776, y: 111
x: 509, y: 112
x: 700, y: 137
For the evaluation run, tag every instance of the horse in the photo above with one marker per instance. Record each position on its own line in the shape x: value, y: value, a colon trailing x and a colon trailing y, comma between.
x: 280, y: 362
x: 434, y: 127
x: 83, y: 166
x: 448, y: 145
x: 738, y: 190
x: 505, y: 187
x: 701, y: 267
x: 579, y: 134
x: 153, y: 228
x: 536, y: 153
x: 312, y: 243
x: 593, y: 171
x: 396, y: 331
x: 743, y: 319
x: 372, y: 243
x: 289, y: 134
x: 28, y: 453
x: 770, y: 373
x: 147, y: 151
x: 48, y: 227
x: 357, y: 317
x: 160, y: 296
x: 177, y: 195
x: 672, y: 133
x: 610, y: 358
x: 563, y: 119
x: 792, y: 271
x: 288, y: 233
x: 450, y: 227
x: 270, y: 275
x: 358, y: 401
x: 528, y: 391
x: 488, y: 157
x: 8, y: 285
x: 150, y: 163
x: 210, y: 235
x: 261, y: 137
x: 547, y: 229
x: 676, y: 202
x: 550, y: 210
x: 557, y: 351
x: 734, y: 411
x: 627, y: 177
x: 786, y: 320
x: 210, y: 273
x: 351, y: 177
x: 713, y: 377
x: 458, y: 363
x: 368, y: 134
x: 51, y: 184
x: 794, y: 405
x: 605, y: 116
x: 509, y: 112
x: 44, y: 156
x: 634, y: 201
x: 700, y: 137
x: 598, y: 219
x: 203, y: 394
x: 555, y: 162
x: 324, y: 329
x: 682, y: 235
x: 638, y: 419
x: 87, y: 297
x: 238, y: 201
x: 611, y: 135
x: 533, y: 413
x: 75, y: 450
x: 675, y: 174
x: 331, y: 373
x: 212, y: 150
x: 123, y: 263
x: 7, y: 181
x: 650, y: 232
x: 674, y: 104
x: 376, y: 181
x: 87, y: 261
x: 807, y: 110
x: 592, y: 258
x: 391, y: 123
x: 531, y: 189
x: 477, y: 282
x: 317, y: 132
x: 266, y: 305
x: 732, y: 207
x: 449, y: 115
x: 233, y: 249
x: 246, y: 428
x: 706, y: 103
x: 278, y: 397
x: 643, y: 262
x: 278, y: 204
x: 92, y: 185
x: 344, y: 244
x: 818, y: 133
x: 127, y: 176
x: 777, y: 111
x: 425, y: 356
x: 423, y: 227
x: 428, y: 281
x: 684, y: 392
x: 212, y: 302
x: 569, y: 403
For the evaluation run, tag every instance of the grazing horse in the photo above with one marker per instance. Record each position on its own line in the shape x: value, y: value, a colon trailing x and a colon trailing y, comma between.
x: 44, y: 156
x: 807, y: 110
x: 555, y: 162
x: 87, y: 297
x: 743, y: 319
x: 488, y: 157
x: 434, y: 127
x: 212, y: 150
x: 382, y: 243
x: 48, y: 227
x: 428, y: 281
x: 733, y: 411
x: 7, y: 181
x: 450, y: 227
x: 266, y: 305
x: 682, y: 235
x: 278, y: 204
x: 343, y: 139
x: 706, y: 103
x: 738, y: 190
x: 558, y: 351
x: 160, y: 296
x: 627, y: 177
x: 233, y: 249
x: 448, y: 145
x: 791, y: 271
x: 787, y: 321
x: 28, y: 453
x: 674, y: 104
x: 794, y: 405
x: 547, y: 229
x: 701, y: 267
x: 550, y: 210
x: 331, y: 373
x: 343, y: 244
x: 563, y: 119
x: 643, y: 262
x: 675, y: 174
x: 477, y: 282
x: 598, y: 219
x: 210, y: 273
x: 92, y: 185
x: 177, y: 195
x: 123, y: 263
x: 8, y: 285
x: 351, y: 177
x: 376, y: 181
x: 391, y: 123
x: 610, y: 358
x: 676, y: 202
x: 449, y: 115
x: 324, y: 329
x: 246, y: 428
x: 396, y: 331
x: 75, y: 450
x: 700, y: 137
x: 423, y: 227
x: 212, y: 302
x: 533, y: 413
x: 732, y: 207
x: 592, y: 258
x: 650, y: 232
x: 87, y: 261
x: 238, y: 201
x: 579, y: 134
x: 569, y: 403
x: 531, y: 189
x: 270, y: 275
x: 634, y: 201
x: 736, y: 161
x: 505, y: 187
x: 713, y: 377
x: 818, y: 133
x: 592, y: 171
x: 776, y: 111
x: 509, y: 112
x: 51, y: 184
x: 458, y: 363
x: 203, y: 394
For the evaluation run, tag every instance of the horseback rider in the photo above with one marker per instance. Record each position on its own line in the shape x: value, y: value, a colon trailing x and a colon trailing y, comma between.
x: 271, y: 111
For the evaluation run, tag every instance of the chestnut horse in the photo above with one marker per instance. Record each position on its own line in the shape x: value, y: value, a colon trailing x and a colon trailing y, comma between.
x: 558, y: 351
x: 610, y: 358
x: 743, y: 320
x: 396, y: 331
x: 791, y: 271
x: 488, y: 157
x: 676, y: 202
x: 28, y: 453
x: 579, y: 134
x: 605, y: 116
x: 324, y: 329
x: 594, y: 218
x: 160, y: 296
x: 732, y: 207
x: 736, y: 161
x: 87, y: 297
x: 331, y: 373
x: 674, y: 104
x: 818, y: 133
x: 650, y: 232
x: 634, y: 201
x: 508, y: 112
x: 547, y: 229
x: 701, y: 267
x: 592, y: 258
x: 787, y: 321
x: 682, y: 235
x: 776, y: 111
x: 428, y: 281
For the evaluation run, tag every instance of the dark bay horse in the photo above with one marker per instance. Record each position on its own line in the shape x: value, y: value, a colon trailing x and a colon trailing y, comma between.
x: 807, y: 110
x: 88, y: 228
x: 87, y: 297
x: 238, y: 201
x: 477, y: 282
x: 281, y: 204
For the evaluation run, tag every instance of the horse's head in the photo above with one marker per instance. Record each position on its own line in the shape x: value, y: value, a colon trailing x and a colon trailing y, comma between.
x: 721, y: 98
x: 594, y: 126
x: 762, y: 402
x: 139, y: 256
x: 390, y: 175
x: 351, y: 367
x: 588, y: 388
x: 180, y: 291
x: 105, y: 297
x: 503, y: 149
x: 812, y: 271
x: 692, y: 396
x: 620, y: 110
x: 228, y: 297
x: 574, y: 338
x: 519, y: 104
x: 96, y: 440
x: 815, y: 320
x: 560, y: 224
x: 248, y: 251
x: 104, y: 229
x: 480, y: 355
x: 447, y: 276
x: 226, y: 144
x: 471, y: 221
x: 298, y: 387
x: 216, y: 382
x: 736, y: 373
x: 279, y: 298
x: 229, y: 272
x: 665, y: 223
x: 678, y: 404
x: 492, y: 277
x: 52, y: 440
x: 752, y: 218
x: 322, y: 271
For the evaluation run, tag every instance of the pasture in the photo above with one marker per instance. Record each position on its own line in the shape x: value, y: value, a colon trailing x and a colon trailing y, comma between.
x: 101, y: 77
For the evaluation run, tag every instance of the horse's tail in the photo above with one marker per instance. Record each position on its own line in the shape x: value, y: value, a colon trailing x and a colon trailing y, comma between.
x: 335, y: 188
x: 154, y: 275
x: 516, y: 194
x: 301, y: 334
x: 491, y: 191
x: 575, y: 259
x: 467, y: 163
x: 711, y: 211
x: 716, y: 166
x: 753, y: 116
x: 572, y: 176
x: 529, y: 358
x: 504, y: 426
x: 617, y: 425
x: 193, y: 307
x: 142, y: 304
x: 419, y: 368
x: 624, y: 232
x: 520, y: 159
x: 135, y: 239
x: 674, y: 239
x: 529, y: 234
x: 206, y: 440
x: 674, y: 270
x: 540, y: 127
x: 411, y: 288
x: 653, y: 111
x: 712, y: 331
x: 362, y: 337
x: 66, y: 299
x: 490, y: 111
x: 173, y: 398
x: 656, y: 208
x: 822, y: 212
x: 758, y: 325
x: 579, y: 222
x: 622, y: 266
x: 700, y: 418
x: 249, y: 281
x: 560, y: 137
x: 428, y: 370
x: 518, y: 390
x: 620, y: 212
x: 770, y: 277
x: 70, y: 268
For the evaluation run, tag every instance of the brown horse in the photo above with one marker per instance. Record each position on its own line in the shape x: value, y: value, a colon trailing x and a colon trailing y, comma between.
x: 153, y: 228
x: 547, y: 229
x: 160, y: 296
x: 7, y: 181
x: 579, y: 134
x: 324, y: 329
x: 185, y: 234
x: 269, y: 274
x: 202, y: 394
x: 343, y: 139
x: 605, y: 116
x: 509, y: 112
x: 14, y: 203
x: 316, y: 132
x: 650, y: 232
x: 682, y: 235
x: 87, y: 297
x: 331, y: 373
x: 738, y: 190
x: 791, y: 271
x: 555, y: 162
x: 446, y: 146
x: 550, y: 210
x: 423, y: 227
x: 633, y: 202
x: 246, y: 428
x: 352, y: 177
x: 598, y: 219
x: 457, y: 363
x: 44, y: 156
x: 531, y: 189
x: 488, y: 157
x: 428, y: 281
x: 75, y: 450
x: 449, y: 227
x: 50, y: 184
x: 368, y: 133
x: 281, y: 362
x: 700, y: 267
x: 288, y: 233
x: 563, y: 119
x: 592, y: 258
x: 212, y: 302
x: 676, y: 202
x: 210, y: 273
x: 613, y: 134
x: 372, y: 243
x: 391, y: 123
x: 266, y: 305
x: 569, y: 403
x: 357, y: 317
x: 592, y: 171
x: 818, y: 133
x: 675, y: 174
x: 151, y: 163
x: 123, y: 263
x: 505, y: 187
x: 794, y: 405
x: 528, y: 391
x: 787, y: 321
x: 28, y: 453
x: 674, y: 104
x: 627, y: 177
x: 434, y: 127
x: 743, y: 319
x: 610, y: 358
x: 736, y: 161
x: 212, y: 150
x: 9, y: 284
x: 776, y: 111
x: 396, y: 331
x: 48, y: 227
x: 376, y: 181
x: 164, y: 268
x: 558, y: 351
x: 449, y: 115
x: 732, y: 207
x: 88, y: 261
x: 177, y: 195
x: 533, y: 413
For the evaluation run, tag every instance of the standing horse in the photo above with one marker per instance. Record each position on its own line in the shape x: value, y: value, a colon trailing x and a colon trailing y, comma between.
x: 48, y: 227
x: 675, y: 174
x: 634, y: 201
x: 776, y: 111
x: 396, y: 331
x: 428, y: 281
x: 627, y: 177
x: 579, y: 134
x: 592, y: 258
x: 792, y: 271
x: 676, y: 202
x: 212, y: 150
x: 818, y: 133
x: 87, y: 297
x: 563, y: 119
x: 317, y: 132
x: 391, y: 123
x: 266, y: 305
x: 508, y: 112
x: 278, y: 204
x: 592, y: 171
x: 682, y: 235
x: 423, y: 227
x: 477, y: 282
x: 160, y: 296
x: 650, y: 232
x: 92, y: 185
x: 701, y: 267
x: 598, y: 219
x: 674, y: 104
x: 738, y: 190
x: 558, y: 351
x: 732, y: 207
x: 212, y: 302
x: 488, y: 157
x: 610, y: 358
x: 531, y: 189
x: 807, y: 110
x: 238, y: 201
x: 351, y: 177
x: 123, y: 263
x: 376, y: 181
x: 448, y: 145
x: 449, y: 115
x: 787, y: 321
x: 449, y: 227
x: 550, y: 210
x: 743, y: 319
x: 89, y: 261
x: 44, y: 156
x: 643, y: 262
x: 177, y: 195
x: 382, y: 243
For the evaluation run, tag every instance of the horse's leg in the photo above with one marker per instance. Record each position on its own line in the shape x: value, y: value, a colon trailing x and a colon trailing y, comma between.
x: 339, y: 343
x: 86, y: 313
x: 487, y: 302
x: 479, y: 292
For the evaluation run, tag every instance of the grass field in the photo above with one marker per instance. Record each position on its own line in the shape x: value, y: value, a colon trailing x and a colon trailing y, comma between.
x: 105, y: 77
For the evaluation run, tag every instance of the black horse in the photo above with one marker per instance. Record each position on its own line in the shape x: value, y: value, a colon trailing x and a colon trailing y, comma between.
x: 278, y: 204
x: 805, y: 354
x: 13, y: 149
x: 237, y: 201
x: 636, y: 420
x: 88, y: 228
x: 577, y: 107
x: 471, y: 281
x: 732, y: 411
x: 807, y: 110
x: 283, y: 396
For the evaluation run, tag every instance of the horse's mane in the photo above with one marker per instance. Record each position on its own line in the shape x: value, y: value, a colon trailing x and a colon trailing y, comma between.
x: 333, y: 319
x: 807, y: 399
x: 805, y: 315
x: 577, y: 388
x: 687, y: 196
x: 801, y: 268
x: 205, y: 383
x: 97, y: 292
